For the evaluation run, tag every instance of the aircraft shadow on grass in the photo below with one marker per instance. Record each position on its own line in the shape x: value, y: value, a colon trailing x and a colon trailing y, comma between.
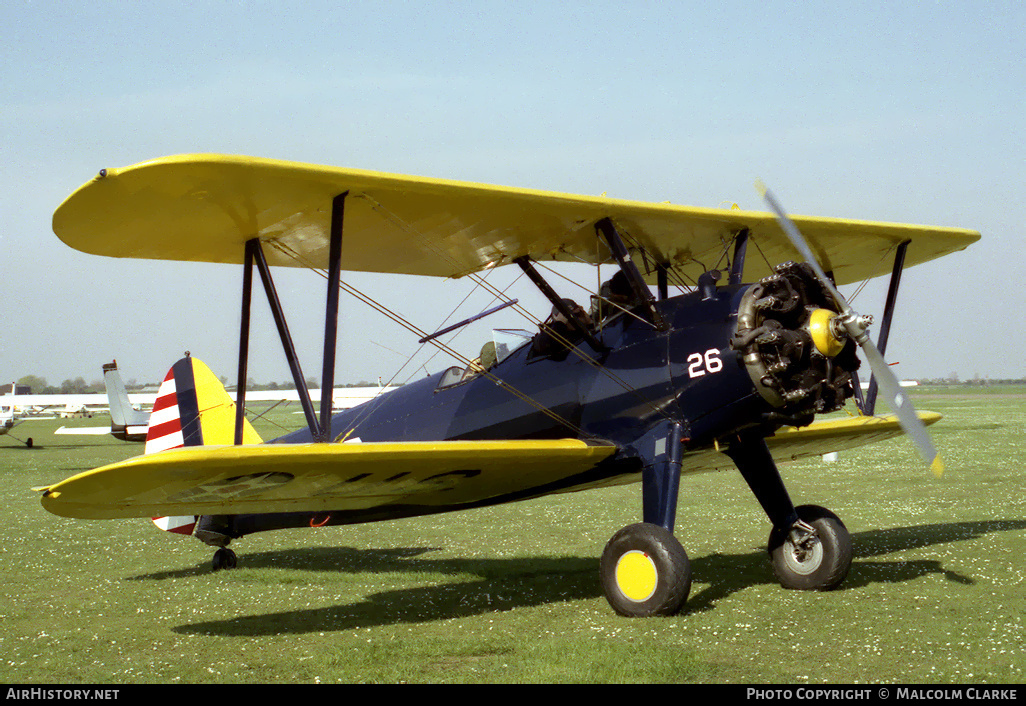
x: 506, y: 584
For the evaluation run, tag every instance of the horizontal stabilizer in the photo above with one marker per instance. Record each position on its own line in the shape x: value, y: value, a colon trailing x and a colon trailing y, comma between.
x: 83, y: 431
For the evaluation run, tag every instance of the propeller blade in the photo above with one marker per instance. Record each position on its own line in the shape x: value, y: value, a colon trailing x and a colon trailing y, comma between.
x: 897, y: 400
x: 889, y: 386
x: 796, y: 238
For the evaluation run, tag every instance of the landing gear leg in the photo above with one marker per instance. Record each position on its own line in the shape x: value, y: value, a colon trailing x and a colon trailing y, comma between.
x: 645, y: 570
x: 217, y: 531
x: 224, y: 558
x: 809, y: 546
x: 28, y: 442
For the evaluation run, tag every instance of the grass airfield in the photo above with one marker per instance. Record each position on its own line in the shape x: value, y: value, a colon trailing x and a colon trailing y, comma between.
x: 511, y: 594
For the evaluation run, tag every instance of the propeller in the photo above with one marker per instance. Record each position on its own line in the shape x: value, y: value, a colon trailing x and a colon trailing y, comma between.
x: 855, y: 325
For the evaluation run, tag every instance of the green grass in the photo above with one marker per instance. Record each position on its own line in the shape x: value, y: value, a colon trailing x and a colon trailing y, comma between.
x: 511, y: 594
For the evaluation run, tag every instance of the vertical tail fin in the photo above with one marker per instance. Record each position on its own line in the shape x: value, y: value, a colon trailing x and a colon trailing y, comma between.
x: 192, y: 409
x: 121, y: 410
x: 126, y: 422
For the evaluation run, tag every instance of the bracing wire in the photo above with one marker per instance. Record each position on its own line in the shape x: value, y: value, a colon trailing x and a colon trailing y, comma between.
x: 458, y: 332
x: 482, y: 282
x: 575, y: 350
x: 866, y: 280
x: 393, y: 316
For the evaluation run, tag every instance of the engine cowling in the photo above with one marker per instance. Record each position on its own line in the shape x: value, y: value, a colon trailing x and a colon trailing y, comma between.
x: 798, y: 362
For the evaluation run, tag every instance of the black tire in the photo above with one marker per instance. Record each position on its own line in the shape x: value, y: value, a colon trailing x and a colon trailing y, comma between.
x: 823, y: 564
x: 645, y: 571
x: 224, y: 559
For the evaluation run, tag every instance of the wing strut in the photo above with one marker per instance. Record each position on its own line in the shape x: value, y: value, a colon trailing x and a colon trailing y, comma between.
x: 321, y: 430
x: 286, y: 338
x: 642, y: 293
x: 331, y: 315
x: 247, y: 297
x: 885, y: 324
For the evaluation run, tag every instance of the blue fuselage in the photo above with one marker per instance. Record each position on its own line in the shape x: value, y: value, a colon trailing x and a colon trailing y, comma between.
x: 687, y: 373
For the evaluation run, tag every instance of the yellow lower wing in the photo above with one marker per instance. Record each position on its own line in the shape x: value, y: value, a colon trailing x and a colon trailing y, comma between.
x: 822, y: 437
x: 837, y: 435
x: 319, y: 477
x: 229, y: 480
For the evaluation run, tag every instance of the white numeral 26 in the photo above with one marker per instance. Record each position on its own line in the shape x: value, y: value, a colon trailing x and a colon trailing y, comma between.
x: 702, y: 364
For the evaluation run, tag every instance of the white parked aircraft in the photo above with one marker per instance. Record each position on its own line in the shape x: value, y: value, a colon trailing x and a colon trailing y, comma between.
x: 129, y: 422
x: 9, y: 417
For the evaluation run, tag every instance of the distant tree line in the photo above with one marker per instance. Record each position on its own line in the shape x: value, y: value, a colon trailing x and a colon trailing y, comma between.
x: 78, y: 386
x: 953, y: 380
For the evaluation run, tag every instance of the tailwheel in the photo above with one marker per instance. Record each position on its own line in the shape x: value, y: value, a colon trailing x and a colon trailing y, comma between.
x: 645, y: 571
x: 814, y: 554
x: 224, y: 558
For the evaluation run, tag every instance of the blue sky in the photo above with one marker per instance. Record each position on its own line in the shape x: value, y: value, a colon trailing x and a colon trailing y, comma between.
x: 910, y: 112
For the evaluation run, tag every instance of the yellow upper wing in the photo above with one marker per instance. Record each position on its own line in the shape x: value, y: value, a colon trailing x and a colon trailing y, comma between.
x: 204, y: 207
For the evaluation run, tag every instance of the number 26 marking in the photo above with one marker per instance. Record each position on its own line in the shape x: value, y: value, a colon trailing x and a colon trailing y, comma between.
x: 700, y: 364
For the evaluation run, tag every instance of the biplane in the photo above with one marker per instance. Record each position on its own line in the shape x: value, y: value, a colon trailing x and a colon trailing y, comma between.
x: 730, y: 371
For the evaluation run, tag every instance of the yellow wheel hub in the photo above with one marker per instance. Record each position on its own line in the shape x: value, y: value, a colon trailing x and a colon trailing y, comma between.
x: 822, y: 334
x: 636, y: 576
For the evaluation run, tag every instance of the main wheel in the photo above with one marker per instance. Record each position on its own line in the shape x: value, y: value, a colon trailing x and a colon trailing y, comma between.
x: 818, y: 563
x: 645, y: 571
x: 224, y: 558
